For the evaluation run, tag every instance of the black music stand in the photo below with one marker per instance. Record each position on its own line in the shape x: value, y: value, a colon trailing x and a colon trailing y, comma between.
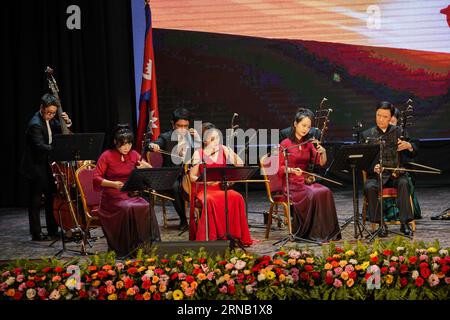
x: 355, y: 157
x: 225, y: 175
x: 69, y: 148
x: 151, y: 180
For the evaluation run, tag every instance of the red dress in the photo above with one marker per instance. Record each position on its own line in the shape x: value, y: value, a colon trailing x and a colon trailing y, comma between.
x: 314, y: 213
x: 124, y: 219
x: 215, y: 198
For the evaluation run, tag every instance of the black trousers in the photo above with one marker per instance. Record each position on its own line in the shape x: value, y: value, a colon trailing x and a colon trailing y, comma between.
x: 178, y: 203
x: 42, y: 183
x: 403, y: 202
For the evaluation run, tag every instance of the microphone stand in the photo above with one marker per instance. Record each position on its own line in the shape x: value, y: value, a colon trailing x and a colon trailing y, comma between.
x: 291, y: 237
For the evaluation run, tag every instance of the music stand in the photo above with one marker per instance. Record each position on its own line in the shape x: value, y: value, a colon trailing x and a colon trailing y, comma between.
x: 355, y: 157
x: 225, y: 175
x: 69, y: 148
x: 151, y: 180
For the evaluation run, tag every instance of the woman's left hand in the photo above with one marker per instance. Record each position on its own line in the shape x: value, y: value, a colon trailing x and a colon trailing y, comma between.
x: 143, y: 164
x: 321, y: 150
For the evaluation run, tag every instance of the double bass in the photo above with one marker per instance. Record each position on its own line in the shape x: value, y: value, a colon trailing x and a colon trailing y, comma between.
x: 64, y: 210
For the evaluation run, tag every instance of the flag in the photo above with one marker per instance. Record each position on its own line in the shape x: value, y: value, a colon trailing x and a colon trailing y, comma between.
x: 148, y: 101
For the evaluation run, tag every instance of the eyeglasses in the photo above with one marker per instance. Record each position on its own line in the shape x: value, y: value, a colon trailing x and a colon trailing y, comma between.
x: 49, y: 113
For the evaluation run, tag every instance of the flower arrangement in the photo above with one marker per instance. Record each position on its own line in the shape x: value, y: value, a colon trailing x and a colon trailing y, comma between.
x: 391, y: 270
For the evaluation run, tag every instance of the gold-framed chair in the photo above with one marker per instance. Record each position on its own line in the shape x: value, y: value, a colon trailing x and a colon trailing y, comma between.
x: 388, y: 193
x: 274, y: 189
x: 90, y: 198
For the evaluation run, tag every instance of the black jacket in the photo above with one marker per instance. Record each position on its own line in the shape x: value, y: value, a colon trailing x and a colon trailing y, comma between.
x: 35, y: 160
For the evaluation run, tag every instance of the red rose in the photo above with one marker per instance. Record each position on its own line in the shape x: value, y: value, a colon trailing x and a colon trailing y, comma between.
x: 129, y: 283
x: 190, y: 279
x: 403, y: 282
x: 374, y: 259
x: 309, y: 268
x: 353, y: 275
x: 419, y: 281
x: 87, y: 278
x: 393, y: 264
x: 315, y: 275
x: 403, y: 268
x: 146, y: 284
x: 444, y: 269
x: 17, y: 271
x: 102, y: 274
x: 423, y: 265
x: 197, y: 271
x: 330, y: 259
x: 304, y: 276
x: 123, y: 295
x: 18, y: 295
x: 388, y: 252
x: 58, y: 269
x: 267, y: 258
x: 222, y: 262
x: 159, y: 271
x: 174, y: 276
x: 82, y: 294
x: 30, y: 284
x: 164, y: 260
x: 425, y: 272
x: 339, y: 250
x: 156, y: 296
x: 412, y: 259
x: 278, y: 271
x: 384, y: 270
x: 329, y: 280
x: 132, y: 270
x: 202, y: 260
x: 102, y: 291
x: 280, y: 253
x: 231, y: 289
x: 66, y: 275
x: 139, y: 297
x: 46, y: 269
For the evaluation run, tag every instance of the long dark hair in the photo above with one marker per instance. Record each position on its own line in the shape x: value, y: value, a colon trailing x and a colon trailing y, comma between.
x: 123, y: 135
x: 301, y: 114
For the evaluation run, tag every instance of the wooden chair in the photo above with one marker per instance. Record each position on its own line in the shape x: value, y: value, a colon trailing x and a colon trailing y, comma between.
x: 274, y: 188
x: 90, y: 198
x: 387, y: 193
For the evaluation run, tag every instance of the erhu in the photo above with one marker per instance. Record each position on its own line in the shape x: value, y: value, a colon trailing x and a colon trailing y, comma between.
x: 321, y: 121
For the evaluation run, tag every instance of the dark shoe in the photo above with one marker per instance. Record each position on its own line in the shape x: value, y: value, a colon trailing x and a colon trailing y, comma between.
x: 183, y: 226
x: 39, y: 237
x: 406, y: 229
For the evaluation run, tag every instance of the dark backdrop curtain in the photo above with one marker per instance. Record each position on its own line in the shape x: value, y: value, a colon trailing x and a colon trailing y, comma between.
x: 93, y: 68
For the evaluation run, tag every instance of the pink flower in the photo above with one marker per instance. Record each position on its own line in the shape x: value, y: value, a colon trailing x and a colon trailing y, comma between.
x: 229, y: 266
x: 447, y: 280
x: 329, y: 274
x: 337, y: 283
x: 401, y: 258
x: 22, y: 286
x: 423, y: 257
x: 6, y: 274
x: 223, y: 289
x: 338, y: 270
x: 119, y: 266
x: 436, y: 259
x: 210, y: 276
x: 181, y: 276
x: 20, y: 278
x: 189, y: 291
x: 239, y: 265
x: 349, y: 268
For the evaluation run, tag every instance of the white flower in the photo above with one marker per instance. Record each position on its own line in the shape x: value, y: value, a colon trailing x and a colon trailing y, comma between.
x: 69, y: 296
x: 261, y: 277
x: 443, y: 252
x: 149, y: 273
x: 240, y: 265
x: 169, y: 295
x: 294, y: 254
x: 248, y: 289
x: 415, y: 274
x: 31, y: 293
x: 386, y: 262
x: 234, y: 260
x: 435, y: 266
x: 353, y: 261
x: 394, y: 258
x: 10, y: 280
x: 400, y: 249
x: 433, y: 280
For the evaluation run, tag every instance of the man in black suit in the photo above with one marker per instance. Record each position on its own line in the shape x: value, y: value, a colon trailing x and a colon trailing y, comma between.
x: 36, y: 167
x: 180, y: 142
x: 393, y: 147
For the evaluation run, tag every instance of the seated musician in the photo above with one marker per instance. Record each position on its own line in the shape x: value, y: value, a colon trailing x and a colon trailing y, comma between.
x: 178, y: 141
x: 126, y: 221
x: 313, y: 133
x: 314, y: 211
x: 389, y: 137
x: 214, y: 154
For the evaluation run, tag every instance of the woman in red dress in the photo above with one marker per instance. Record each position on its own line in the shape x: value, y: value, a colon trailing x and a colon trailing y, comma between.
x: 314, y: 213
x: 213, y: 155
x: 126, y: 221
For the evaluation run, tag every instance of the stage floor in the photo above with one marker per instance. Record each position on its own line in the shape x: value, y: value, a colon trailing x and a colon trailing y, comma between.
x: 15, y: 241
